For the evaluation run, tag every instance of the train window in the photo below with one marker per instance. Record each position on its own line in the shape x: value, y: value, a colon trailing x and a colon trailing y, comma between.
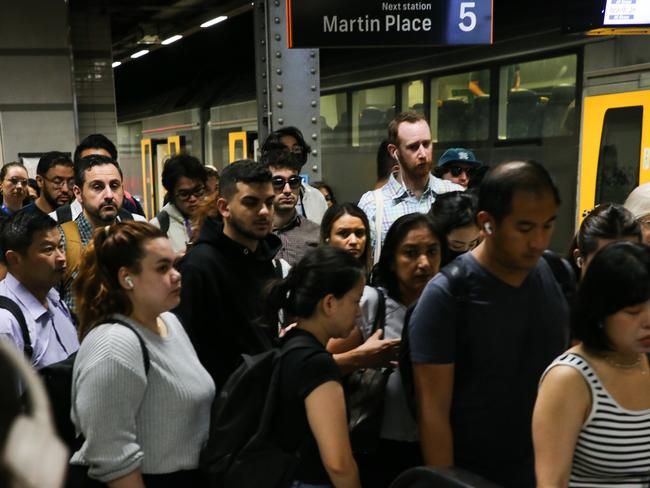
x: 537, y: 98
x: 413, y: 96
x: 334, y: 121
x: 372, y: 110
x: 618, y: 158
x: 460, y: 106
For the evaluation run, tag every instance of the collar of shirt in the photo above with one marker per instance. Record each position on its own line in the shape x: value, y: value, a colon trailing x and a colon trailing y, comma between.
x: 28, y: 300
x: 294, y: 222
x: 397, y: 191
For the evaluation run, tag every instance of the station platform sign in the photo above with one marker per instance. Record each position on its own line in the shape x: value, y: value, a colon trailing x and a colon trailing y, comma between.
x: 381, y: 23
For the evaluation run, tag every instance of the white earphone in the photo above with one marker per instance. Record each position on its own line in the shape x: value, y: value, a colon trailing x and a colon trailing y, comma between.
x: 488, y: 228
x: 579, y: 261
x: 32, y: 436
x: 129, y: 282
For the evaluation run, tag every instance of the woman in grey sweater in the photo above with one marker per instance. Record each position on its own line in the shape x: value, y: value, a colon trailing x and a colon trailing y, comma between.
x: 144, y: 420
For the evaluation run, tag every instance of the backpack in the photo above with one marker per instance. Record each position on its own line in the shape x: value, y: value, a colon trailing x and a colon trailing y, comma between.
x: 57, y: 377
x: 241, y: 451
x: 455, y: 274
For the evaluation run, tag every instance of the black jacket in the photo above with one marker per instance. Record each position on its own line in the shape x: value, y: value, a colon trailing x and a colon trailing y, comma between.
x: 221, y: 298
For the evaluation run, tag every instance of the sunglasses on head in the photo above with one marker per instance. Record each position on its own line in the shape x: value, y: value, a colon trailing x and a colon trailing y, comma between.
x: 456, y: 171
x: 279, y: 182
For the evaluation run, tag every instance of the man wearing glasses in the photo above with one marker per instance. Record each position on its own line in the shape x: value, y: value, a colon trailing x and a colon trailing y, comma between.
x: 184, y: 178
x: 457, y: 165
x: 297, y: 233
x: 55, y: 178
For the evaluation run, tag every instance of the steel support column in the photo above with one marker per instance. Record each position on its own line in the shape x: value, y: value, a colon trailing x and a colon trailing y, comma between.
x: 288, y: 82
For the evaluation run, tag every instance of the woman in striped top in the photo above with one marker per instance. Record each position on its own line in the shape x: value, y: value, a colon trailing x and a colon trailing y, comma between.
x: 591, y: 424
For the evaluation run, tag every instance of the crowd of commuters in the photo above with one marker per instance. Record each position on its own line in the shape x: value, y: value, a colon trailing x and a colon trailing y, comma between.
x: 438, y: 286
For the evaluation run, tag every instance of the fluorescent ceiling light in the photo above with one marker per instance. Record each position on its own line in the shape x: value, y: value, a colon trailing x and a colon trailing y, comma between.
x: 216, y: 20
x: 140, y: 53
x: 116, y: 64
x: 171, y: 39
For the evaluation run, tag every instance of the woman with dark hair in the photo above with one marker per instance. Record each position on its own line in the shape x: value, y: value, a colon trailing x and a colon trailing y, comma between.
x: 140, y: 397
x: 327, y: 192
x: 322, y: 292
x: 592, y: 415
x: 13, y: 185
x: 409, y: 259
x: 454, y: 213
x: 346, y: 226
x: 606, y: 223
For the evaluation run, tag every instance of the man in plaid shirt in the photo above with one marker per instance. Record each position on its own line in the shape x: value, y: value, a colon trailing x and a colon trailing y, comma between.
x: 411, y: 189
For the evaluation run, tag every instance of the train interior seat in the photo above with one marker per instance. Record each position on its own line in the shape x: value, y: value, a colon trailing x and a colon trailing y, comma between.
x: 372, y: 125
x: 557, y: 110
x: 523, y: 114
x: 425, y: 477
x: 478, y: 119
x: 418, y: 108
x: 451, y: 120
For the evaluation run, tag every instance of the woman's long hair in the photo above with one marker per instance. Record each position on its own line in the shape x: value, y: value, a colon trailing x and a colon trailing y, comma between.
x: 97, y: 290
x: 320, y: 272
x: 337, y: 211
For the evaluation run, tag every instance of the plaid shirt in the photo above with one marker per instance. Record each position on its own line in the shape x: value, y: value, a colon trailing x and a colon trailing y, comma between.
x: 86, y: 233
x: 298, y: 236
x: 398, y: 201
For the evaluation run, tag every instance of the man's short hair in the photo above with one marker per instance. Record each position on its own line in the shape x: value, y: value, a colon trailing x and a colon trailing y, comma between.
x: 182, y: 165
x: 51, y: 159
x: 88, y: 162
x: 99, y: 141
x: 275, y: 137
x: 242, y: 171
x: 18, y: 231
x: 277, y: 156
x: 502, y: 181
x: 409, y: 117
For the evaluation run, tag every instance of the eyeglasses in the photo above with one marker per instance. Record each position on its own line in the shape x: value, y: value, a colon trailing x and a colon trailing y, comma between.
x: 17, y: 181
x: 279, y: 182
x: 197, y: 191
x: 59, y: 182
x: 456, y: 171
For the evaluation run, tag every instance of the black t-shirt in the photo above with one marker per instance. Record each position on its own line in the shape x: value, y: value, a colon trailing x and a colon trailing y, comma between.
x: 302, y: 371
x: 509, y: 336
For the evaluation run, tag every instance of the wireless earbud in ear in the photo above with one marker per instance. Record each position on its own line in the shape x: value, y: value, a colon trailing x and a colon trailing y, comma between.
x: 488, y: 228
x: 129, y: 282
x: 579, y: 261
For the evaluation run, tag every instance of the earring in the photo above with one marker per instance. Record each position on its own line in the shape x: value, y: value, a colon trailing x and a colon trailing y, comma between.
x: 129, y: 282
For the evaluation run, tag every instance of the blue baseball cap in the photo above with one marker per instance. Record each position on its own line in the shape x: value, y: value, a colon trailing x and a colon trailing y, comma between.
x: 458, y: 155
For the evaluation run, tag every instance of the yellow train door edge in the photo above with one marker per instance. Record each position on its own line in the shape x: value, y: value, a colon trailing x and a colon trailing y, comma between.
x: 593, y: 117
x: 146, y: 159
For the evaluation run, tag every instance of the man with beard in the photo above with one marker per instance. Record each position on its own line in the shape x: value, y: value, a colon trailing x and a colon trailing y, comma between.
x: 411, y: 189
x: 36, y: 263
x: 55, y: 178
x: 225, y: 271
x: 98, y: 187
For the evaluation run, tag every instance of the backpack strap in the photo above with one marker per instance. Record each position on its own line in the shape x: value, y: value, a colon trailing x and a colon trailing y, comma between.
x: 64, y: 214
x: 379, y: 217
x: 124, y: 215
x: 563, y: 273
x: 277, y: 268
x: 13, y: 308
x: 73, y: 249
x: 145, y: 351
x: 163, y: 220
x: 455, y: 273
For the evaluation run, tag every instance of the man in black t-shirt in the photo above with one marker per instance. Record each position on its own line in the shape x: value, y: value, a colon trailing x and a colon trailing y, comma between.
x: 477, y: 364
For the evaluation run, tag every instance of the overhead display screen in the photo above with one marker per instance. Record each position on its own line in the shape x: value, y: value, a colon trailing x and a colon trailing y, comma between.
x: 627, y: 12
x: 374, y: 23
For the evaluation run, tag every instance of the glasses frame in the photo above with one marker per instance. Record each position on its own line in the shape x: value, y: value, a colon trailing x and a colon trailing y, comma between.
x: 198, y: 192
x: 294, y: 182
x: 70, y: 183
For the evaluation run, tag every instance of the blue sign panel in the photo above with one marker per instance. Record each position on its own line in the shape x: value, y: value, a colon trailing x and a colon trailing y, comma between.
x: 368, y: 23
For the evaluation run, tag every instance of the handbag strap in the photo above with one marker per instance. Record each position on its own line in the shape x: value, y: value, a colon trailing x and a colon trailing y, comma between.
x: 380, y: 315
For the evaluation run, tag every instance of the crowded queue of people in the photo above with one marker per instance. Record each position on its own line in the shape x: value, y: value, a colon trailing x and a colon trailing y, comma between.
x: 159, y: 315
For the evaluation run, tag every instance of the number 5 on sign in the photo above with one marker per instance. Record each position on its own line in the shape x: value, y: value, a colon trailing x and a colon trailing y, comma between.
x: 465, y: 15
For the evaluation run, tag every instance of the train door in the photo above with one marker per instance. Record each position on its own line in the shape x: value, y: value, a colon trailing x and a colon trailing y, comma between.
x: 615, y: 155
x: 154, y: 154
x: 242, y: 145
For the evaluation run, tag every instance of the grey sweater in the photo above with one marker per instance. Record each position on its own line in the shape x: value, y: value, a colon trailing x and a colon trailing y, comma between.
x: 154, y: 422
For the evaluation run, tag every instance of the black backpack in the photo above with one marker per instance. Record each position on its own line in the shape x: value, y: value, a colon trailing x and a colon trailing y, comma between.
x: 241, y: 451
x: 455, y: 274
x: 57, y: 377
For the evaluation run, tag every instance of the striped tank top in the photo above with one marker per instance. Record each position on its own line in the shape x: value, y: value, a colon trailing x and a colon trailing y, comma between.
x: 613, y: 448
